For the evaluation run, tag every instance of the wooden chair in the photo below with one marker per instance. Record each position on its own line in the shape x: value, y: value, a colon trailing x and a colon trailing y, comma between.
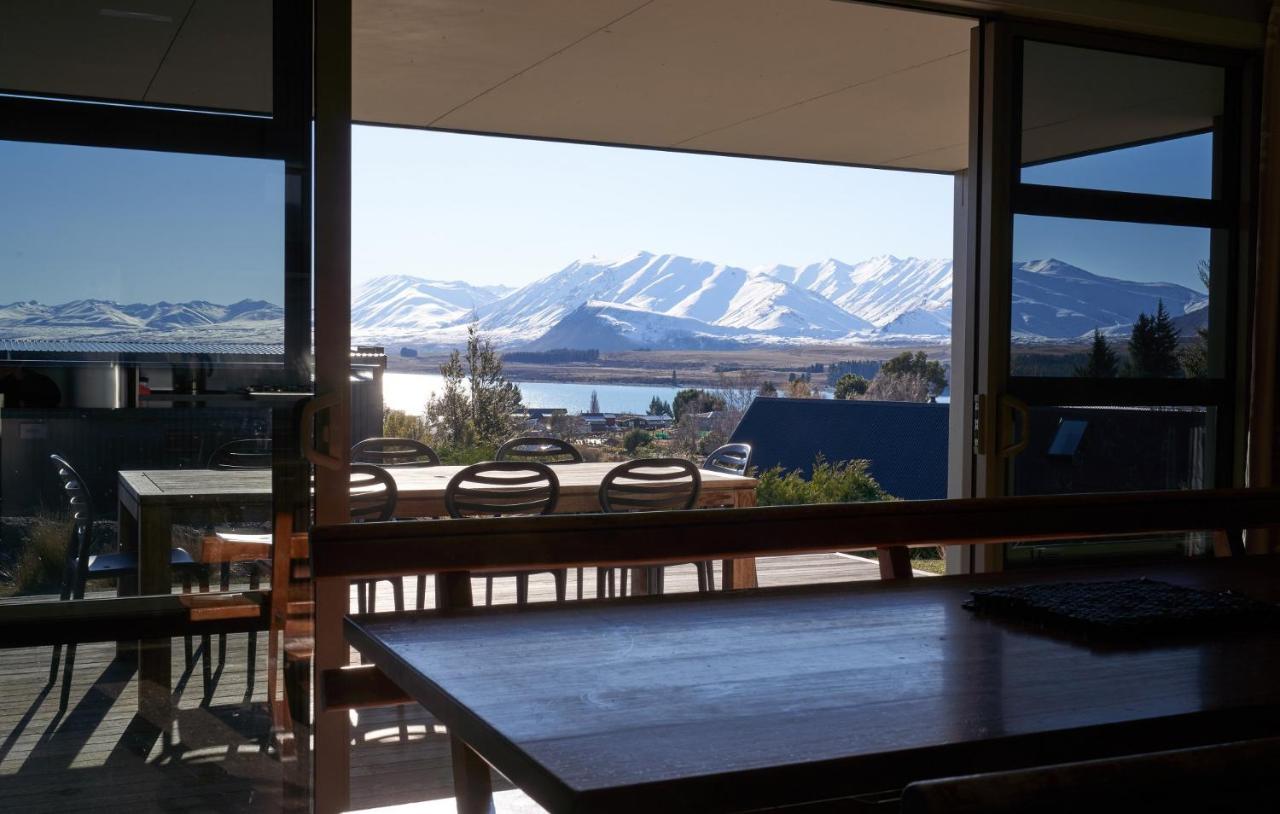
x: 389, y: 452
x: 646, y: 485
x: 731, y: 459
x: 505, y: 489
x: 373, y: 499
x: 542, y: 450
x: 1237, y: 776
x: 81, y: 564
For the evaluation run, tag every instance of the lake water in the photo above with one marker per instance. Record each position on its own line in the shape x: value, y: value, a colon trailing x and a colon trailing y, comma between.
x: 409, y: 392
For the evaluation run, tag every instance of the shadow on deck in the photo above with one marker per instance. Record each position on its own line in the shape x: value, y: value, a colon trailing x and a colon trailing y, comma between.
x: 100, y: 754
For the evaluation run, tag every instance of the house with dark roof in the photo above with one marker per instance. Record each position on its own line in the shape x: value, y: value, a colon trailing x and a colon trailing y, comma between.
x: 905, y: 443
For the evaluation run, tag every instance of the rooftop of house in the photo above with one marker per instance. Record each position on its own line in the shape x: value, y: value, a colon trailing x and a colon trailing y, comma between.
x: 905, y: 443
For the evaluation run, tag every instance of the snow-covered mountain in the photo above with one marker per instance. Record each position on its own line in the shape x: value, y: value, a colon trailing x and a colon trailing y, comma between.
x: 1056, y: 300
x: 197, y: 320
x: 398, y: 305
x: 670, y: 301
x: 878, y: 290
x: 719, y: 296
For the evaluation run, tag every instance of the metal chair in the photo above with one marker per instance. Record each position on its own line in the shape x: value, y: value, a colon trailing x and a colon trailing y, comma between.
x: 243, y: 453
x: 506, y: 489
x: 544, y: 450
x: 394, y: 452
x: 646, y: 485
x: 373, y: 500
x: 81, y: 564
x: 731, y: 459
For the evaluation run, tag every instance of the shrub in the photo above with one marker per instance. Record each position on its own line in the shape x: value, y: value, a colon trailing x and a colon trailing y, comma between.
x: 636, y: 438
x: 39, y: 568
x: 839, y: 482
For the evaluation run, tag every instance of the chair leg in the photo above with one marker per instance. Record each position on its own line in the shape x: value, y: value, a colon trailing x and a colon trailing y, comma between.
x: 522, y: 589
x: 623, y: 576
x: 361, y: 601
x: 711, y: 574
x: 702, y: 577
x: 422, y: 591
x: 580, y: 570
x: 251, y: 667
x: 603, y: 576
x: 373, y: 595
x: 397, y: 592
x: 562, y: 583
x: 488, y: 590
x: 186, y: 589
x: 53, y: 665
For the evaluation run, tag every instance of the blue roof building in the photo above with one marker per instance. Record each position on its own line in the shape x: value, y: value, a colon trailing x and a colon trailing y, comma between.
x: 906, y: 443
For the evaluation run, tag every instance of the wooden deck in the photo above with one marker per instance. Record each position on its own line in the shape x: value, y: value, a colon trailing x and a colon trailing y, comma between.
x: 100, y: 755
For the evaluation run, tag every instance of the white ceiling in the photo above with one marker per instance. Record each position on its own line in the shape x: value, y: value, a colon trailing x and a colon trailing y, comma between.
x: 805, y: 79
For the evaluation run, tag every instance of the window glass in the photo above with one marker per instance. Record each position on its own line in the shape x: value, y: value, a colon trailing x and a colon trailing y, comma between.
x: 1102, y: 120
x: 142, y: 307
x: 1105, y: 299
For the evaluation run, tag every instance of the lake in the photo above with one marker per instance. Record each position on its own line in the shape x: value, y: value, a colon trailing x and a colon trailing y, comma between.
x: 409, y: 392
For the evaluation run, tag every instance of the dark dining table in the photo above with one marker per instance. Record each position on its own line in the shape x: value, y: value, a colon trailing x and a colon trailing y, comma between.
x: 770, y: 697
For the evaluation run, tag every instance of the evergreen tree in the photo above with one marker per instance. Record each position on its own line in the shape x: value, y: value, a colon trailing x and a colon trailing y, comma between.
x: 659, y: 407
x: 1153, y: 346
x: 917, y: 365
x: 476, y: 404
x: 850, y: 386
x: 595, y: 403
x: 1103, y: 362
x: 768, y: 389
x: 693, y: 400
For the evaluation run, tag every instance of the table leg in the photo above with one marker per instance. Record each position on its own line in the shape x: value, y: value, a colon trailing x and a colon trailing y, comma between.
x: 740, y: 573
x: 472, y: 782
x: 155, y: 656
x: 127, y: 533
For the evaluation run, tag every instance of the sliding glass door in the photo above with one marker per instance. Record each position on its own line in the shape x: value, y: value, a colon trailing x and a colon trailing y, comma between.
x: 154, y: 353
x: 1113, y: 252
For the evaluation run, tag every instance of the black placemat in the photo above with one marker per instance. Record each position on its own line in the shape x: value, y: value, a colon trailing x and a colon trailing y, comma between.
x: 1124, y: 608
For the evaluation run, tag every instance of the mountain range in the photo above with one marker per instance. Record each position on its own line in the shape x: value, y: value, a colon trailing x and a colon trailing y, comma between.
x: 197, y: 320
x: 670, y: 301
x: 655, y: 301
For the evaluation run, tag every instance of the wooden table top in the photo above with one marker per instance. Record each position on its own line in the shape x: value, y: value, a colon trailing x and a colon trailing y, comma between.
x: 746, y: 699
x: 195, y: 485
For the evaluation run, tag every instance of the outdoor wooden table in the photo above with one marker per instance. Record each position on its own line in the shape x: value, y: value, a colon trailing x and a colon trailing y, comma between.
x: 737, y: 701
x: 150, y: 501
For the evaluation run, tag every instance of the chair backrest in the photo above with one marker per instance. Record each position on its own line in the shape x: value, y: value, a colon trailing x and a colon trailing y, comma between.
x: 80, y: 504
x: 243, y: 453
x: 650, y: 484
x: 500, y: 488
x: 394, y: 452
x: 373, y: 494
x: 731, y: 459
x: 542, y: 450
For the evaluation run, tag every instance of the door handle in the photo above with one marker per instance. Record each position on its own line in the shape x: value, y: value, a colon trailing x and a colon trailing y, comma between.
x: 1014, y: 407
x: 311, y: 410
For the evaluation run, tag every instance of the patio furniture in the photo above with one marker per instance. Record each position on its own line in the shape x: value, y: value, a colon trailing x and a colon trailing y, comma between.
x: 243, y: 453
x: 82, y: 565
x: 393, y: 452
x: 544, y: 450
x: 640, y: 690
x: 732, y: 459
x: 373, y: 500
x: 388, y: 452
x: 506, y: 489
x: 646, y: 485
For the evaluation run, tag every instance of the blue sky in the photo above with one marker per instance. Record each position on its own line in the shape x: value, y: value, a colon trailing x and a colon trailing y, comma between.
x: 137, y: 226
x: 140, y: 226
x: 499, y: 210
